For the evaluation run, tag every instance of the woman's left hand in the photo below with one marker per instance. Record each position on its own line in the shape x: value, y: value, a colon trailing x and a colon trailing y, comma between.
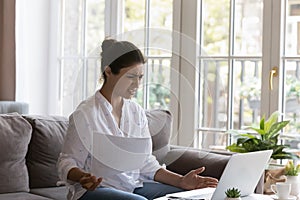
x: 193, y: 180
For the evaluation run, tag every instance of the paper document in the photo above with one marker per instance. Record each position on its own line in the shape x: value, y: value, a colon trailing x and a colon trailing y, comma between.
x: 114, y: 154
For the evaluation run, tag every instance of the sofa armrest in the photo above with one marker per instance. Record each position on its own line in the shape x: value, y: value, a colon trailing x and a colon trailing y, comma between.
x: 13, y: 106
x: 183, y: 160
x: 222, y: 152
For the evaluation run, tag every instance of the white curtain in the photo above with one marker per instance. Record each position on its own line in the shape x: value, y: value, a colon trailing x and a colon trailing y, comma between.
x: 36, y: 38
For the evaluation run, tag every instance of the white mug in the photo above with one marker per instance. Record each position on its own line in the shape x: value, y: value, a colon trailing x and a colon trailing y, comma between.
x: 281, y: 189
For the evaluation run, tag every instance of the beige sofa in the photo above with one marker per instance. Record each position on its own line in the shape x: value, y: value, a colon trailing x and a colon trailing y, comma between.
x: 30, y: 146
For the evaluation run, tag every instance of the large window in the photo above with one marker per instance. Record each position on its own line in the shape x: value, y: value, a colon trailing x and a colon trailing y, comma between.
x: 208, y: 61
x: 230, y: 64
x: 235, y: 71
x: 83, y: 29
x: 148, y: 24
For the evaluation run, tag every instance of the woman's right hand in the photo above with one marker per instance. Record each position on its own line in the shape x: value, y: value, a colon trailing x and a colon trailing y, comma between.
x: 89, y: 182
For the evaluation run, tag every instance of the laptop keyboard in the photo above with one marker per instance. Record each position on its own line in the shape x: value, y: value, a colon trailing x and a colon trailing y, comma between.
x: 198, y: 194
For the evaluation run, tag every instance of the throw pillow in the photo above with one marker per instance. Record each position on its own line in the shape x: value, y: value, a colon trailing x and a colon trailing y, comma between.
x: 160, y: 126
x: 46, y: 144
x: 15, y: 133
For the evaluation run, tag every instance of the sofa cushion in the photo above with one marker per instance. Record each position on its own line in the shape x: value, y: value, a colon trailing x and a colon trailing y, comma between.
x: 22, y: 196
x: 15, y: 133
x: 160, y: 126
x: 57, y: 193
x: 44, y: 148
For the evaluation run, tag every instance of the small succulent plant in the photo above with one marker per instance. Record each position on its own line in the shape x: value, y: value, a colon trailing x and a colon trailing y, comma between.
x: 233, y: 193
x: 291, y: 169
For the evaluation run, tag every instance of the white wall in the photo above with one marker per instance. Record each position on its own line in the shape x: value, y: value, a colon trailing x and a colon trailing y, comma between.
x: 33, y: 22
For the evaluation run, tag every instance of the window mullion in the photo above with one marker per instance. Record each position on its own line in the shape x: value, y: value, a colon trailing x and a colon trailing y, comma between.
x: 146, y: 51
x: 175, y: 65
x: 187, y: 72
x: 114, y: 18
x: 230, y: 108
x: 61, y: 53
x: 84, y: 53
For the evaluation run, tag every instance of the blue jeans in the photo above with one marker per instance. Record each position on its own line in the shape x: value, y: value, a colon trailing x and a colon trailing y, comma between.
x: 150, y: 190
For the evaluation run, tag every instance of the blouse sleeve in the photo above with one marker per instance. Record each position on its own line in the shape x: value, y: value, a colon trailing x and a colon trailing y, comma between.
x: 76, y: 145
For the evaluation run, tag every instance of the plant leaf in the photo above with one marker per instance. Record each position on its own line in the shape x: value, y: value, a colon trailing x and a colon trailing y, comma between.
x: 279, y: 148
x: 284, y: 155
x: 241, y: 140
x: 272, y: 119
x: 247, y: 135
x: 262, y: 124
x: 252, y: 144
x: 275, y: 128
x: 235, y: 148
x: 259, y: 131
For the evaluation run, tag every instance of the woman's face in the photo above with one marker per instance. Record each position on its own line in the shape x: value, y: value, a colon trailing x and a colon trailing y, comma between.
x: 126, y: 83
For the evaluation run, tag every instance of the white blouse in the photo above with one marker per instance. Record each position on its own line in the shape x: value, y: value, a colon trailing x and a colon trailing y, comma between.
x: 95, y: 115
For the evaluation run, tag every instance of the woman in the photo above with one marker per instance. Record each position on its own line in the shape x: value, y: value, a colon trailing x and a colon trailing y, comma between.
x: 110, y: 111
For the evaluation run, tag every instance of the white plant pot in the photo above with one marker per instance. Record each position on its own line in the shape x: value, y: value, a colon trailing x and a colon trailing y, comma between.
x: 228, y: 198
x: 295, y: 184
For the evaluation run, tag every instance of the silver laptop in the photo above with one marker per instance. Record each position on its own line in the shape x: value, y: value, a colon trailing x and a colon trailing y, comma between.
x: 242, y: 171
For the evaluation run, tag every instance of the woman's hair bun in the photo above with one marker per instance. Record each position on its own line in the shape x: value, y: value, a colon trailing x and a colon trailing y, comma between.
x: 107, y: 43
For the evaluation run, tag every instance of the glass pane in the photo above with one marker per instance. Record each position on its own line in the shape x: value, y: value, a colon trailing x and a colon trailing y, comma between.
x: 155, y: 92
x: 213, y: 98
x: 160, y: 34
x: 160, y: 42
x: 215, y: 17
x: 291, y: 86
x: 247, y: 92
x: 157, y: 84
x: 248, y: 27
x: 212, y: 140
x: 161, y: 13
x: 292, y: 29
x: 95, y: 26
x: 292, y: 96
x: 72, y: 79
x: 72, y: 29
x: 92, y: 76
x: 134, y: 21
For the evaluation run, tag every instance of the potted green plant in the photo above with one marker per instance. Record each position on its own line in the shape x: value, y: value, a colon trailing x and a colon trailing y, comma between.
x: 292, y: 176
x: 233, y: 194
x: 265, y: 137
